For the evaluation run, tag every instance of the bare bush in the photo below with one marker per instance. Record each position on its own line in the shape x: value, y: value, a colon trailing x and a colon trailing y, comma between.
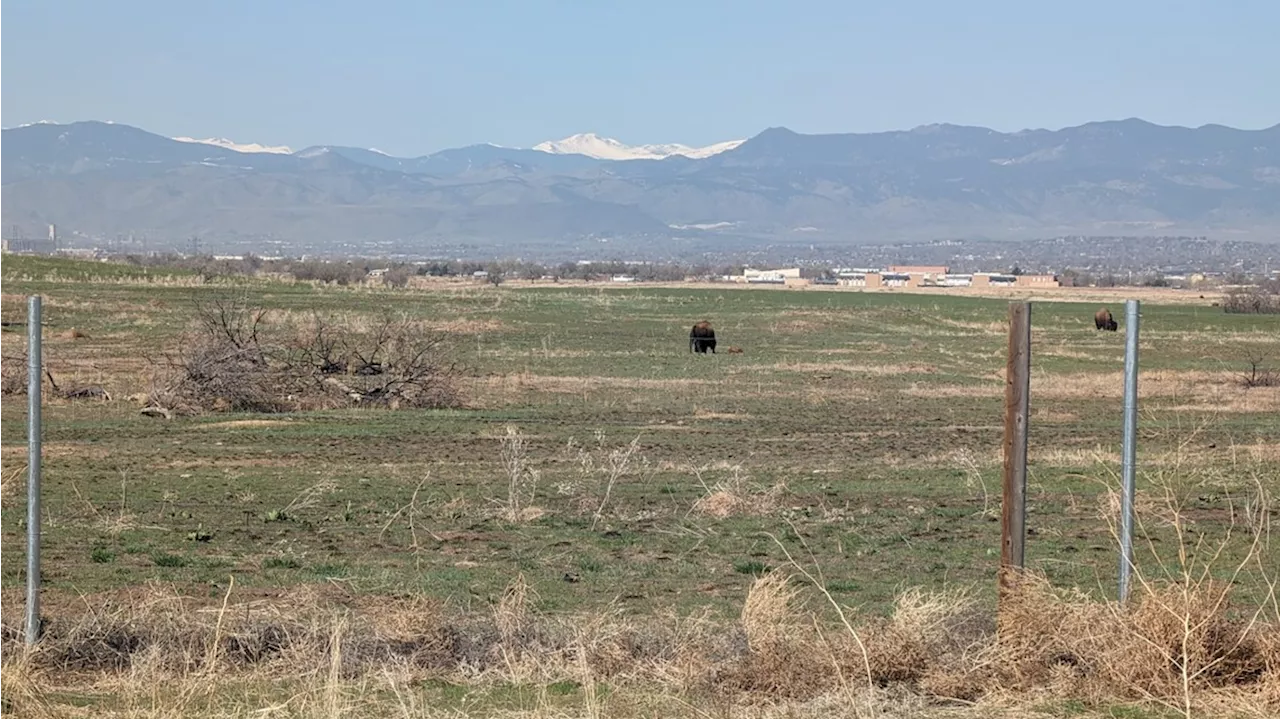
x: 1252, y: 301
x: 234, y: 359
x: 1258, y: 374
x: 222, y: 364
x: 397, y: 363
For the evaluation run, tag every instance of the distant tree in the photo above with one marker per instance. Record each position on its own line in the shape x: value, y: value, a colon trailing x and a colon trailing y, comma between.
x: 397, y: 276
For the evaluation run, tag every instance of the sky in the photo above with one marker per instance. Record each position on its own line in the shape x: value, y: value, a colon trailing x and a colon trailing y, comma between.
x: 411, y: 77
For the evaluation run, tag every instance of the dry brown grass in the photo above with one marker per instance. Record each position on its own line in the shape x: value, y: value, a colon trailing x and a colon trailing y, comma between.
x: 12, y: 481
x: 1195, y: 390
x: 934, y: 648
x: 734, y: 495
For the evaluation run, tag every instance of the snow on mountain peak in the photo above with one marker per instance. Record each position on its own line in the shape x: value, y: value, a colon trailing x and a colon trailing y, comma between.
x: 607, y: 148
x: 229, y: 145
x: 33, y: 124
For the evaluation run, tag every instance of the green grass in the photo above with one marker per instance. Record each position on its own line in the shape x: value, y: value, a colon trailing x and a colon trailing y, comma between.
x: 874, y: 418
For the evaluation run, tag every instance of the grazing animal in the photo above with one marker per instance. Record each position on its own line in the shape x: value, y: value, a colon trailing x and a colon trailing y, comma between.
x: 702, y: 338
x: 1102, y: 320
x: 734, y: 350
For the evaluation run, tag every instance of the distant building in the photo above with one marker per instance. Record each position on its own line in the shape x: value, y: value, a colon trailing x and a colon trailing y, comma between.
x: 21, y: 245
x: 1036, y: 281
x: 29, y: 247
x: 772, y: 277
x: 994, y: 279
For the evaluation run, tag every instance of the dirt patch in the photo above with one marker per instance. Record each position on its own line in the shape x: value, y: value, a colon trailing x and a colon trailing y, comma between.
x: 878, y: 370
x: 986, y: 328
x: 707, y: 414
x: 940, y: 391
x: 235, y: 423
x: 465, y: 326
x: 1065, y: 353
x: 563, y: 353
x: 869, y: 348
x: 55, y: 450
x: 579, y: 384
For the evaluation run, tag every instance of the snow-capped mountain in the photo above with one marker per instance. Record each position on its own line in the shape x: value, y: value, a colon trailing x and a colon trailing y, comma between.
x: 605, y: 148
x: 228, y: 144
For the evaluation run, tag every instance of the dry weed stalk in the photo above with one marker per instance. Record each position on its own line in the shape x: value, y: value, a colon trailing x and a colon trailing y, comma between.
x: 514, y: 620
x: 611, y: 464
x: 1191, y: 606
x: 974, y: 477
x: 522, y: 480
x: 410, y: 512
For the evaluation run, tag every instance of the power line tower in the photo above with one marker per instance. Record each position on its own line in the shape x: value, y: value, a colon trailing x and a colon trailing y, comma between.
x: 195, y: 246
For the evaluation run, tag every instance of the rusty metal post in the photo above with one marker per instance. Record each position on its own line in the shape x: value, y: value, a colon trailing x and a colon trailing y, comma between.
x: 1017, y: 397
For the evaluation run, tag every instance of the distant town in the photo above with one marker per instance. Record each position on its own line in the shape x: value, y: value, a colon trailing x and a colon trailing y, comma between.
x: 1059, y: 262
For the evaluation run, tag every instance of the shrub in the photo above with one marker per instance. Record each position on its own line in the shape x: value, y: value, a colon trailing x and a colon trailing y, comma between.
x: 1260, y: 300
x: 234, y: 359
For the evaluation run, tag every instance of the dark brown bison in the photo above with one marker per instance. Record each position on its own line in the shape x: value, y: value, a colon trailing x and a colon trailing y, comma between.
x: 1102, y: 320
x: 702, y: 338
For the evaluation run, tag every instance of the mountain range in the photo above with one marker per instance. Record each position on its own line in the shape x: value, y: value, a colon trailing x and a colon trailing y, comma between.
x: 1126, y: 177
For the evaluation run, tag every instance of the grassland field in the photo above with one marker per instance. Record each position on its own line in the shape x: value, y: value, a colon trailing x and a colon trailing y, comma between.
x: 859, y: 432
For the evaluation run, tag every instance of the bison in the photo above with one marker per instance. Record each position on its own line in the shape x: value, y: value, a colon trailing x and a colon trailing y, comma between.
x: 1103, y: 320
x: 702, y: 338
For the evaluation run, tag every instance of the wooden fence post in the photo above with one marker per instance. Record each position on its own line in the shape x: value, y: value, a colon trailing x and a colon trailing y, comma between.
x: 1017, y: 396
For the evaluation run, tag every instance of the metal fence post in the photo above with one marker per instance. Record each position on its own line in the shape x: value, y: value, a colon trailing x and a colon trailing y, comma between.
x: 35, y: 369
x: 1129, y: 451
x: 1017, y: 400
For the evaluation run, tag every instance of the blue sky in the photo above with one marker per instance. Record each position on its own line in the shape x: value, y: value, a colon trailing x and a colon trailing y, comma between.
x: 411, y: 77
